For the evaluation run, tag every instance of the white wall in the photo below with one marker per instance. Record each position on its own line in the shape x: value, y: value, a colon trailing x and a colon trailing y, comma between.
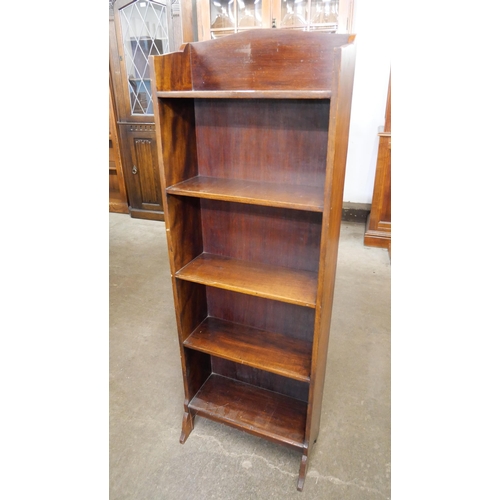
x: 371, y: 79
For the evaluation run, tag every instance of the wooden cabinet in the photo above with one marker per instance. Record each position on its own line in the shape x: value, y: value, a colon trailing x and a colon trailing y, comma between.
x: 252, y: 132
x: 378, y: 225
x: 117, y: 190
x: 139, y: 29
x: 141, y: 170
x: 217, y: 18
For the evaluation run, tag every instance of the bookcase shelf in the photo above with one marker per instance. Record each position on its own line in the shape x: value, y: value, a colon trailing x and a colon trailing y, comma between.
x: 269, y: 351
x: 253, y: 409
x: 246, y: 94
x: 252, y: 134
x: 257, y: 193
x: 262, y: 280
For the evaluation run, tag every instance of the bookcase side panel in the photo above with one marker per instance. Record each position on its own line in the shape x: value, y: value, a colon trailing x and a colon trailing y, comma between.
x: 192, y: 306
x: 178, y: 160
x: 196, y: 368
x: 177, y: 140
x: 281, y: 141
x: 173, y: 71
x: 332, y: 217
x: 184, y: 227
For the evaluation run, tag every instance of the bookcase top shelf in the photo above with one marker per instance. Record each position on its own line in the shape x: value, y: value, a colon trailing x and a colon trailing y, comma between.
x: 265, y: 63
x: 246, y: 94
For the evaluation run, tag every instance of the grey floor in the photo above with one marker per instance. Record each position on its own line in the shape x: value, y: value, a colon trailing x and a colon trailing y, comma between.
x: 351, y: 459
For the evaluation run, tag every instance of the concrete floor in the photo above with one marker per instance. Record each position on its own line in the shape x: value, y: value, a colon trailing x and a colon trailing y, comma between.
x: 351, y: 459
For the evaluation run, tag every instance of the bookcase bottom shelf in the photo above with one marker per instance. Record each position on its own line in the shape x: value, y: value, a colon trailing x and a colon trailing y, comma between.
x: 260, y: 412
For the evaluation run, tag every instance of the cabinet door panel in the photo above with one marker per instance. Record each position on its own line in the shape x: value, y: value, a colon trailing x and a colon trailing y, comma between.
x: 141, y: 171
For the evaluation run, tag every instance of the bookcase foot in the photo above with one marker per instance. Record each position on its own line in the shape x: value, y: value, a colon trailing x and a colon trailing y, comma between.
x: 187, y: 426
x: 302, y: 473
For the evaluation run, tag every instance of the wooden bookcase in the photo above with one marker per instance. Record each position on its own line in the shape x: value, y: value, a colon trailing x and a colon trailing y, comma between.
x: 252, y: 133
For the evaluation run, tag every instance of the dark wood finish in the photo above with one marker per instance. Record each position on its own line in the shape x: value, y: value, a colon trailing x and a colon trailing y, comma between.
x: 273, y: 382
x: 308, y: 198
x: 117, y: 190
x: 248, y: 94
x: 274, y: 63
x: 252, y: 134
x: 263, y: 314
x: 115, y: 69
x: 255, y: 410
x: 140, y: 168
x: 340, y: 112
x: 188, y: 18
x: 278, y: 61
x: 378, y: 225
x: 137, y: 136
x: 237, y: 231
x: 285, y: 142
x: 269, y: 351
x: 387, y: 124
x: 261, y: 280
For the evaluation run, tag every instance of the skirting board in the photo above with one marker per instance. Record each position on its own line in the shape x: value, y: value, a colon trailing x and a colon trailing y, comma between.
x: 355, y: 212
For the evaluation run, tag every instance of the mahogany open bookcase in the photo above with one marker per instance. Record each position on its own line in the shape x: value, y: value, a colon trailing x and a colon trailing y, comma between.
x: 252, y: 134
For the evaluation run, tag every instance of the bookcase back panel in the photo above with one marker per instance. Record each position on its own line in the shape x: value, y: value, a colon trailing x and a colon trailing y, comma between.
x: 276, y: 236
x: 282, y: 141
x: 252, y: 60
x: 266, y: 380
x: 270, y: 315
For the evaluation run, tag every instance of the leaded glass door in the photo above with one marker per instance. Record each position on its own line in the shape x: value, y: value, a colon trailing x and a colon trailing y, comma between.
x: 143, y: 29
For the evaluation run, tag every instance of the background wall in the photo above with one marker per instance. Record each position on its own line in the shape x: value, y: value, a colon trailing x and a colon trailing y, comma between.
x: 371, y: 80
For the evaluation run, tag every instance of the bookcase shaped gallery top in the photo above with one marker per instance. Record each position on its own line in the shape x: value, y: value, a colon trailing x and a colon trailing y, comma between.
x: 252, y: 133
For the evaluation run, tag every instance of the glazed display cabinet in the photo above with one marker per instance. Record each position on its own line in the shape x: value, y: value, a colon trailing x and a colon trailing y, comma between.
x: 217, y: 18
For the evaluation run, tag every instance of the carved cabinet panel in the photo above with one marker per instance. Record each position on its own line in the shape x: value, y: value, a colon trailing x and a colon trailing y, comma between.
x: 140, y: 167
